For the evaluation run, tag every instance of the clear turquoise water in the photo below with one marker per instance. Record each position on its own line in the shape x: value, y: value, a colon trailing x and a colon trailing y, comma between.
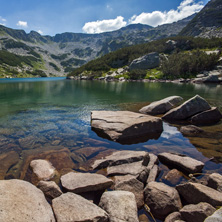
x: 42, y: 111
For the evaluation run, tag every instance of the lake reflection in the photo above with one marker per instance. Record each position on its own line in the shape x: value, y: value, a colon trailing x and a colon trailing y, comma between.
x: 51, y: 119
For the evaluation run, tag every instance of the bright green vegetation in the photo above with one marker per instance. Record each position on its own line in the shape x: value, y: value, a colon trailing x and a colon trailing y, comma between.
x: 181, y: 49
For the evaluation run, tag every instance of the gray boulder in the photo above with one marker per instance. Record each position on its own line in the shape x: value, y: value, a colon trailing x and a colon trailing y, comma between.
x: 22, y: 202
x: 72, y: 207
x: 43, y: 169
x: 148, y: 61
x: 191, y: 107
x: 126, y: 127
x: 120, y: 157
x: 191, y: 130
x: 85, y: 182
x: 161, y: 106
x: 120, y: 206
x: 50, y: 189
x: 215, y: 217
x: 153, y: 173
x: 207, y: 117
x: 173, y: 177
x: 197, y: 212
x: 135, y: 186
x: 215, y: 181
x: 175, y: 216
x: 195, y: 193
x: 161, y: 199
x: 181, y: 162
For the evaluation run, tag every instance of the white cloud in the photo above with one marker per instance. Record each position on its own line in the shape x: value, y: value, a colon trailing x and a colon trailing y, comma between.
x: 2, y: 21
x: 104, y: 25
x: 22, y: 24
x: 40, y: 32
x: 155, y: 18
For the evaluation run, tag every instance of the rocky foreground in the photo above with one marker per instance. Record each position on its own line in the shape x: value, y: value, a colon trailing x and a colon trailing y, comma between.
x: 130, y: 177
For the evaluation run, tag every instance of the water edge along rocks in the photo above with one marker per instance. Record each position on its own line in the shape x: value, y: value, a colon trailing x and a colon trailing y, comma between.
x: 126, y: 127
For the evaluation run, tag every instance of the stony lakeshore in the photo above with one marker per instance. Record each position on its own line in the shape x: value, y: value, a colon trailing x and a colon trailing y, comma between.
x: 122, y: 185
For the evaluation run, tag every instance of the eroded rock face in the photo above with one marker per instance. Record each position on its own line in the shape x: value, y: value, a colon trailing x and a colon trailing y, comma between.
x: 195, y: 193
x: 148, y: 61
x: 72, y: 207
x: 120, y: 157
x: 208, y: 117
x: 43, y: 169
x: 50, y: 189
x: 135, y: 186
x: 23, y: 202
x: 191, y: 107
x: 85, y: 182
x: 161, y: 199
x: 185, y: 163
x: 161, y: 106
x: 126, y: 127
x: 196, y: 212
x: 120, y: 206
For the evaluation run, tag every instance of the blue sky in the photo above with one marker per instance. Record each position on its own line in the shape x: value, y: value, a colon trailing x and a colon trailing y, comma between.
x: 50, y: 17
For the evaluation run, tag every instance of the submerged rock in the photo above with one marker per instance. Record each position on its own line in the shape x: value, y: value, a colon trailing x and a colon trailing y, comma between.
x: 161, y: 106
x: 196, y: 212
x: 191, y: 107
x: 43, y: 169
x: 208, y: 117
x: 195, y: 193
x: 191, y: 130
x: 22, y: 202
x: 184, y: 163
x: 161, y: 199
x: 120, y: 157
x: 85, y: 182
x: 126, y: 127
x: 72, y: 207
x: 120, y: 206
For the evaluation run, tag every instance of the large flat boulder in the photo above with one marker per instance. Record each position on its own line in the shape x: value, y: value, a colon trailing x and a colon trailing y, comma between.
x: 161, y: 106
x: 72, y: 207
x: 126, y: 127
x: 120, y: 206
x: 208, y: 117
x: 161, y: 199
x: 148, y: 61
x: 21, y: 201
x: 195, y: 193
x: 196, y: 212
x: 189, y: 108
x: 181, y: 162
x: 120, y: 157
x: 85, y: 182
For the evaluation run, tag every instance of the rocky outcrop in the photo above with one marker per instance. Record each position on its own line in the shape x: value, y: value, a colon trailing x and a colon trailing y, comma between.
x: 161, y: 199
x: 148, y: 61
x: 22, y: 202
x: 72, y: 207
x: 196, y: 212
x: 215, y: 181
x: 161, y: 106
x: 135, y: 186
x: 188, y: 109
x: 120, y: 157
x: 195, y: 193
x: 85, y: 182
x: 126, y: 127
x: 120, y: 206
x: 181, y: 162
x: 215, y: 217
x: 208, y: 117
x: 43, y: 169
x: 50, y: 189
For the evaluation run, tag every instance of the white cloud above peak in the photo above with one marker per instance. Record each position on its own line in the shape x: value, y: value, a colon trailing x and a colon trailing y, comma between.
x: 22, y: 24
x: 2, y: 21
x: 155, y: 18
x: 104, y: 25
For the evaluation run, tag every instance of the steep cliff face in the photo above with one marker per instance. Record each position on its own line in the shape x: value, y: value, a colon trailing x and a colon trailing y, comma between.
x: 207, y: 23
x: 36, y: 55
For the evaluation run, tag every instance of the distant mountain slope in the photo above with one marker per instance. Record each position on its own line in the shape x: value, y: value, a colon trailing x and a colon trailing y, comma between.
x: 56, y: 55
x: 207, y: 23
